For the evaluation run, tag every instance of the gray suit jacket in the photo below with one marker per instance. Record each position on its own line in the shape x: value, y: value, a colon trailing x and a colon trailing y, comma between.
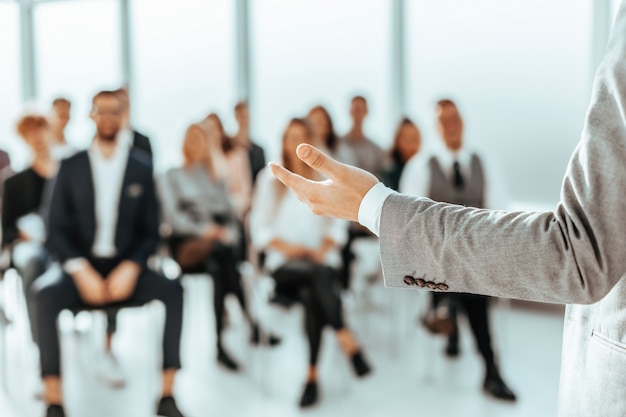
x: 574, y: 255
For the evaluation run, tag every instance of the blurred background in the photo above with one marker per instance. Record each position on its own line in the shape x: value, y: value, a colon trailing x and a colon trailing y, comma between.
x: 521, y: 72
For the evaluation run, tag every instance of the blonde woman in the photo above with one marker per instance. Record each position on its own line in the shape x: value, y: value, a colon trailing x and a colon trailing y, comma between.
x: 205, y: 232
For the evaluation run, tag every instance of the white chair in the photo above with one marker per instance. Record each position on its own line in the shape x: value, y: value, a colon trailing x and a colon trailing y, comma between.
x: 267, y: 307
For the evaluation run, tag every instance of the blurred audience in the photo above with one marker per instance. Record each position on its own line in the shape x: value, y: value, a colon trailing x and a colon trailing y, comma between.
x: 406, y: 144
x: 324, y: 133
x: 103, y: 227
x: 256, y: 155
x: 59, y: 118
x: 302, y: 253
x: 128, y: 135
x: 205, y: 231
x: 457, y: 176
x: 23, y: 230
x: 99, y: 218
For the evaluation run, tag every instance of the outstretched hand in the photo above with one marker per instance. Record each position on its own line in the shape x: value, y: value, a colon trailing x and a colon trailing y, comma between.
x: 339, y: 196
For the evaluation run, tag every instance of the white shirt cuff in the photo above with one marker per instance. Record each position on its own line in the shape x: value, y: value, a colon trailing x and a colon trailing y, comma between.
x: 71, y: 266
x: 372, y: 206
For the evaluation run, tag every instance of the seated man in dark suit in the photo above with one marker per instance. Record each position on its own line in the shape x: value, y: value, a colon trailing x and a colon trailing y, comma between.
x: 103, y: 226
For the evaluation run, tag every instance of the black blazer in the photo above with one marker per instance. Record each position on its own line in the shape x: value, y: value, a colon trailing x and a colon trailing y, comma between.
x: 23, y: 194
x: 142, y: 142
x: 257, y: 160
x: 72, y: 219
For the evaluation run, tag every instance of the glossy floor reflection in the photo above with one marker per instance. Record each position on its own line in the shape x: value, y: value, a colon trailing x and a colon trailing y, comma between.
x: 411, y: 376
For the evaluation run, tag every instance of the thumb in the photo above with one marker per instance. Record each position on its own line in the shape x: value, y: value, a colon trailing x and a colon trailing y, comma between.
x: 319, y: 161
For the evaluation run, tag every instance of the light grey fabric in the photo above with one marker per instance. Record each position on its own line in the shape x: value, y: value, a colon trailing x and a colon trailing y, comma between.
x: 191, y: 200
x: 574, y: 255
x: 472, y: 194
x: 366, y: 155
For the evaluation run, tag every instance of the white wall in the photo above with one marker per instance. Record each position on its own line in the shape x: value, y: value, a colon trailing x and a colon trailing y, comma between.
x: 520, y: 72
x: 320, y: 52
x: 184, y: 56
x: 10, y: 87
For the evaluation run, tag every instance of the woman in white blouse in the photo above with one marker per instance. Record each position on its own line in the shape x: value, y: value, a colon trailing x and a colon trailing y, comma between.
x: 303, y: 255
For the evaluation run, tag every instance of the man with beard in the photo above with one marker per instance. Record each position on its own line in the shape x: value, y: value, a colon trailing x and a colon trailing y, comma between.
x: 103, y: 227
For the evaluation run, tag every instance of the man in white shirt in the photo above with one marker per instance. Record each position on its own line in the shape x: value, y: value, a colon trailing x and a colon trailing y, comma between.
x: 457, y: 176
x: 103, y: 227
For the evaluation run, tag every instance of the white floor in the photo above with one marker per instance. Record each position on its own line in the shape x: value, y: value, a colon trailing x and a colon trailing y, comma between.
x: 411, y: 378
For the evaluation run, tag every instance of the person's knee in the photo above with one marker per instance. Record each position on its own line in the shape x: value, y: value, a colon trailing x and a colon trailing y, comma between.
x: 324, y: 277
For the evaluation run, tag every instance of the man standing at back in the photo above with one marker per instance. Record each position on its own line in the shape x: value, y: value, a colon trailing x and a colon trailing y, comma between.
x: 457, y: 176
x: 128, y: 135
x: 103, y: 227
x: 368, y: 156
x: 60, y: 117
x: 242, y: 138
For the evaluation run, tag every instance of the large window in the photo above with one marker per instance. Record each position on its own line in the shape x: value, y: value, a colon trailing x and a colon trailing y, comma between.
x: 320, y: 52
x: 77, y: 47
x: 615, y: 4
x: 184, y: 57
x: 520, y: 71
x: 10, y: 79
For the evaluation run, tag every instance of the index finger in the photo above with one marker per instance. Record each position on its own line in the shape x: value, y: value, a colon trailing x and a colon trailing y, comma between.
x: 319, y: 161
x: 293, y: 181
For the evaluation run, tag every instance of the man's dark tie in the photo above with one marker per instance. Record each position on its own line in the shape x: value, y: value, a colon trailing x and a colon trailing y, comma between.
x: 458, y: 177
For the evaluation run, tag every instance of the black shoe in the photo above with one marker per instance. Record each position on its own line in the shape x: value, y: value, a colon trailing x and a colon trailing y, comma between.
x: 167, y: 408
x: 495, y: 386
x: 452, y: 349
x: 256, y: 337
x: 439, y: 322
x: 55, y: 411
x: 226, y: 361
x: 309, y: 396
x: 360, y: 365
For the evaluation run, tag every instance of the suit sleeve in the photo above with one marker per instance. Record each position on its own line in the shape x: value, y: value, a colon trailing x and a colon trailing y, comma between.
x: 59, y: 218
x: 574, y: 254
x: 148, y: 226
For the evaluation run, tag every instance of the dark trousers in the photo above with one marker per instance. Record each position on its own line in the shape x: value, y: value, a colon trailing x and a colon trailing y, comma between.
x: 476, y: 309
x: 30, y: 260
x: 222, y: 265
x: 315, y: 286
x: 354, y: 232
x: 56, y: 292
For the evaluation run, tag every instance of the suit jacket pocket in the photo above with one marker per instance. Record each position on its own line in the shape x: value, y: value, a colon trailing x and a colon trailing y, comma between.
x: 603, y: 378
x: 609, y: 343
